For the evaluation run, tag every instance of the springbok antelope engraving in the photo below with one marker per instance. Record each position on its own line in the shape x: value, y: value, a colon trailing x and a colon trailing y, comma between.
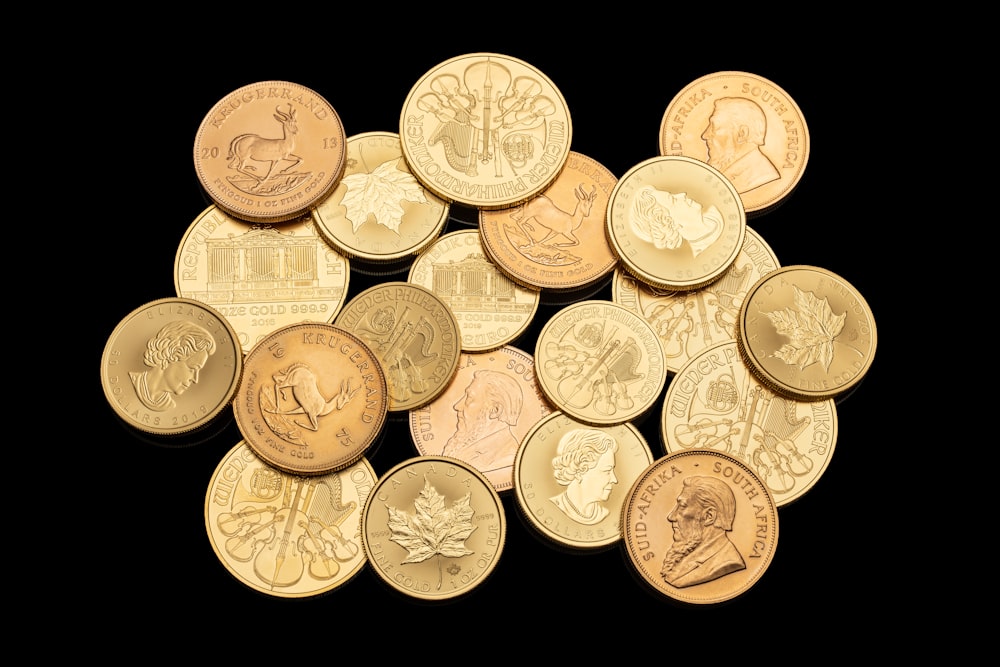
x: 305, y: 390
x: 260, y: 149
x: 540, y: 214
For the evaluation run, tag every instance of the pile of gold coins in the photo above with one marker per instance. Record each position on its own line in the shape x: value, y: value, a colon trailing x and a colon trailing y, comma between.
x: 748, y: 357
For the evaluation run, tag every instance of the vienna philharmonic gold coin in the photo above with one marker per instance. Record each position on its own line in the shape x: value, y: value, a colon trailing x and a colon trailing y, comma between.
x: 746, y: 127
x: 600, y: 363
x: 259, y: 276
x: 571, y: 479
x: 807, y: 333
x: 699, y: 527
x: 485, y: 130
x: 484, y: 414
x: 491, y: 309
x: 414, y: 336
x: 269, y: 151
x: 715, y: 402
x: 378, y: 211
x: 556, y: 240
x: 171, y: 366
x: 675, y: 223
x: 433, y: 528
x: 312, y: 400
x: 285, y: 535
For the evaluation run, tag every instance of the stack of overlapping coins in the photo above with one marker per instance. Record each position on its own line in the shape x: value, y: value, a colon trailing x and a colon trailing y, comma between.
x: 746, y: 357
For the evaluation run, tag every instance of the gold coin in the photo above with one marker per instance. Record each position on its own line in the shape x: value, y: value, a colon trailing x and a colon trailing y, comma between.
x: 171, y: 366
x: 556, y: 240
x: 284, y: 535
x: 699, y: 527
x: 433, y: 528
x: 689, y: 321
x: 491, y: 309
x: 484, y: 414
x: 571, y: 479
x: 313, y: 398
x: 806, y: 333
x: 260, y: 277
x: 675, y: 223
x: 715, y: 402
x: 269, y: 151
x: 414, y: 336
x: 379, y: 212
x: 485, y: 130
x: 746, y: 127
x: 600, y: 363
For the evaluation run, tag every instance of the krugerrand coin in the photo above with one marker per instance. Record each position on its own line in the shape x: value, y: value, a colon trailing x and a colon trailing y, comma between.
x: 433, y: 529
x: 556, y: 240
x: 715, y: 402
x: 171, y: 366
x: 260, y: 276
x: 313, y: 398
x: 379, y: 212
x: 746, y: 127
x: 699, y: 527
x: 485, y: 130
x: 571, y: 479
x: 491, y: 309
x: 414, y: 336
x: 806, y: 333
x: 689, y: 321
x: 269, y: 151
x: 600, y: 363
x: 484, y: 414
x: 286, y: 535
x: 675, y: 223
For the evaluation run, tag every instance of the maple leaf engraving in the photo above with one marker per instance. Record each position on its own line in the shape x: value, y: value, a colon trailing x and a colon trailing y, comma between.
x: 379, y: 193
x: 811, y: 327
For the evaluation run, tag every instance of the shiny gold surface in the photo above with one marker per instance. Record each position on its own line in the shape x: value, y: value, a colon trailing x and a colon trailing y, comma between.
x: 571, y: 479
x: 379, y: 212
x: 312, y: 400
x: 284, y: 535
x: 171, y: 366
x: 745, y: 126
x: 715, y: 402
x: 484, y: 414
x: 269, y: 151
x: 259, y: 276
x: 485, y: 130
x: 699, y: 527
x: 433, y: 528
x: 491, y: 309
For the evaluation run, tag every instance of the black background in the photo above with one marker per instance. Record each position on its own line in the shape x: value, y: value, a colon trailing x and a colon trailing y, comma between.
x: 152, y: 559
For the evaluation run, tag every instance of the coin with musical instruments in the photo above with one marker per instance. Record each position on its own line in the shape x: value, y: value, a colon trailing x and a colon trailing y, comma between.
x: 171, y: 367
x: 485, y: 130
x: 699, y: 527
x: 806, y: 333
x: 270, y: 151
x: 379, y: 212
x: 285, y: 535
x: 414, y: 335
x: 313, y: 398
x: 600, y: 363
x: 689, y: 321
x: 745, y: 126
x: 433, y: 529
x: 715, y: 402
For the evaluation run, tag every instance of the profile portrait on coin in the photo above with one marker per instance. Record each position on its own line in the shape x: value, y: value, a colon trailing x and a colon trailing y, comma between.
x: 734, y: 136
x: 701, y: 518
x: 486, y: 413
x: 585, y: 465
x: 672, y: 221
x: 175, y: 357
